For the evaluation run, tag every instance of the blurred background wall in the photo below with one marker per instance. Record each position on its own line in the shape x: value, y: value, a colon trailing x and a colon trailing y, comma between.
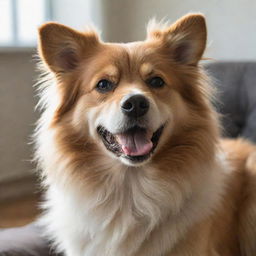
x: 17, y: 118
x: 231, y: 23
x: 232, y: 36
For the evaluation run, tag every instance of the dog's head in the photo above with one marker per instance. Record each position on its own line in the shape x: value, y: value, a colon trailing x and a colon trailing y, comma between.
x: 128, y: 98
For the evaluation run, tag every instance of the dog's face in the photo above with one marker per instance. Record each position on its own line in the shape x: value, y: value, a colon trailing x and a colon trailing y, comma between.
x: 128, y: 98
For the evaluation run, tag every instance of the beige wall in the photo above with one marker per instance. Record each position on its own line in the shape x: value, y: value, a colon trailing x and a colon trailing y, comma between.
x: 17, y: 115
x: 231, y: 23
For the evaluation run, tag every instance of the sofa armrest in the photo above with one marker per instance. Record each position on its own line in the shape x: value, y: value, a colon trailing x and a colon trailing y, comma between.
x: 23, y: 241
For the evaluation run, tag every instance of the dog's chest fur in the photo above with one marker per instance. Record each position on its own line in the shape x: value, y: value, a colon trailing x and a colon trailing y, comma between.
x: 133, y: 213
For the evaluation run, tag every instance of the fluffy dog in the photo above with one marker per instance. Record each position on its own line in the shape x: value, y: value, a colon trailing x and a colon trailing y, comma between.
x: 130, y: 150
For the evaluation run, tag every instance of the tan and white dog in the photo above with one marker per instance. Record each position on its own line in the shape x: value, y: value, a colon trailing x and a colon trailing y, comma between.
x: 130, y: 150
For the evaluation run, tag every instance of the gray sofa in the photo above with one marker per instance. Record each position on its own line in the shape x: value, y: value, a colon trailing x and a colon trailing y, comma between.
x: 24, y: 241
x: 236, y: 84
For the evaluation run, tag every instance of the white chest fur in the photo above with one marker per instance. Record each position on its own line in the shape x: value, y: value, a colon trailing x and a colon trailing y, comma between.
x: 133, y: 214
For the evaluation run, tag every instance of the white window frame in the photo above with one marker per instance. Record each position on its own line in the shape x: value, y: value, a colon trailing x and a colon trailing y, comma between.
x: 16, y: 43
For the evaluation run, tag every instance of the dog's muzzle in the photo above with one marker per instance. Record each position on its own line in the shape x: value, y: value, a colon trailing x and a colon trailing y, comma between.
x: 134, y: 140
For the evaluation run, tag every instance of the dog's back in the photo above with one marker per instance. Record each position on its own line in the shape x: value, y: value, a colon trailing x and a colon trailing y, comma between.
x: 239, y: 224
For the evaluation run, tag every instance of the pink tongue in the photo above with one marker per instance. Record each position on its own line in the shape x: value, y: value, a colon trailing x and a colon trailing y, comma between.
x: 137, y: 143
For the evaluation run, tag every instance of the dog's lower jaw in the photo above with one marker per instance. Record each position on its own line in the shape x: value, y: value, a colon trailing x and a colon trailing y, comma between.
x: 128, y: 162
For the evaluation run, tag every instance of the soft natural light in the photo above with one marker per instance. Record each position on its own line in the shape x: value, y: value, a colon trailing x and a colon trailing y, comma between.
x: 19, y: 20
x: 30, y: 14
x: 5, y: 22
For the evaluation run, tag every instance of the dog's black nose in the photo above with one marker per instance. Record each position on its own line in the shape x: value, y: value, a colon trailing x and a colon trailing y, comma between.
x: 135, y: 106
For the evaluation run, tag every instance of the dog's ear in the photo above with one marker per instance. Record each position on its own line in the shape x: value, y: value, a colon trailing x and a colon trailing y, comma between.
x: 185, y: 39
x: 62, y: 48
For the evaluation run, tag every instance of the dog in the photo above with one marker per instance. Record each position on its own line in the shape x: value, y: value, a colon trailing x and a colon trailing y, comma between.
x: 130, y: 151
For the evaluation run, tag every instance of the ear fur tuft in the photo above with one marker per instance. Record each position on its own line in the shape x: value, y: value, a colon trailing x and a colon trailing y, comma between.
x: 186, y: 38
x: 62, y: 48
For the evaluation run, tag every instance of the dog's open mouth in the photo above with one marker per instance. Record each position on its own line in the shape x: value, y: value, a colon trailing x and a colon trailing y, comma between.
x: 135, y: 144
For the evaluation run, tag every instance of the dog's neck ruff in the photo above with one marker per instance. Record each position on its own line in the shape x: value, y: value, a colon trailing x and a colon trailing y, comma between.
x: 133, y: 213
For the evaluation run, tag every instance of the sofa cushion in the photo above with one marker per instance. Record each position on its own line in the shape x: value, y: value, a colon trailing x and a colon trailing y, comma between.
x: 236, y: 84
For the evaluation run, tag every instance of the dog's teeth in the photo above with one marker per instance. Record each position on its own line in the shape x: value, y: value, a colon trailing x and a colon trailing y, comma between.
x: 112, y: 139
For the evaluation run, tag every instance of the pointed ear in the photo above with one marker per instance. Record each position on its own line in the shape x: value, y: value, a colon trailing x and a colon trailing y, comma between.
x: 185, y: 39
x: 62, y: 48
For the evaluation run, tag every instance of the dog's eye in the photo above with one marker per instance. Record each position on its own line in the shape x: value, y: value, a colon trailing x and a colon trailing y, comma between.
x: 104, y: 86
x: 156, y: 82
